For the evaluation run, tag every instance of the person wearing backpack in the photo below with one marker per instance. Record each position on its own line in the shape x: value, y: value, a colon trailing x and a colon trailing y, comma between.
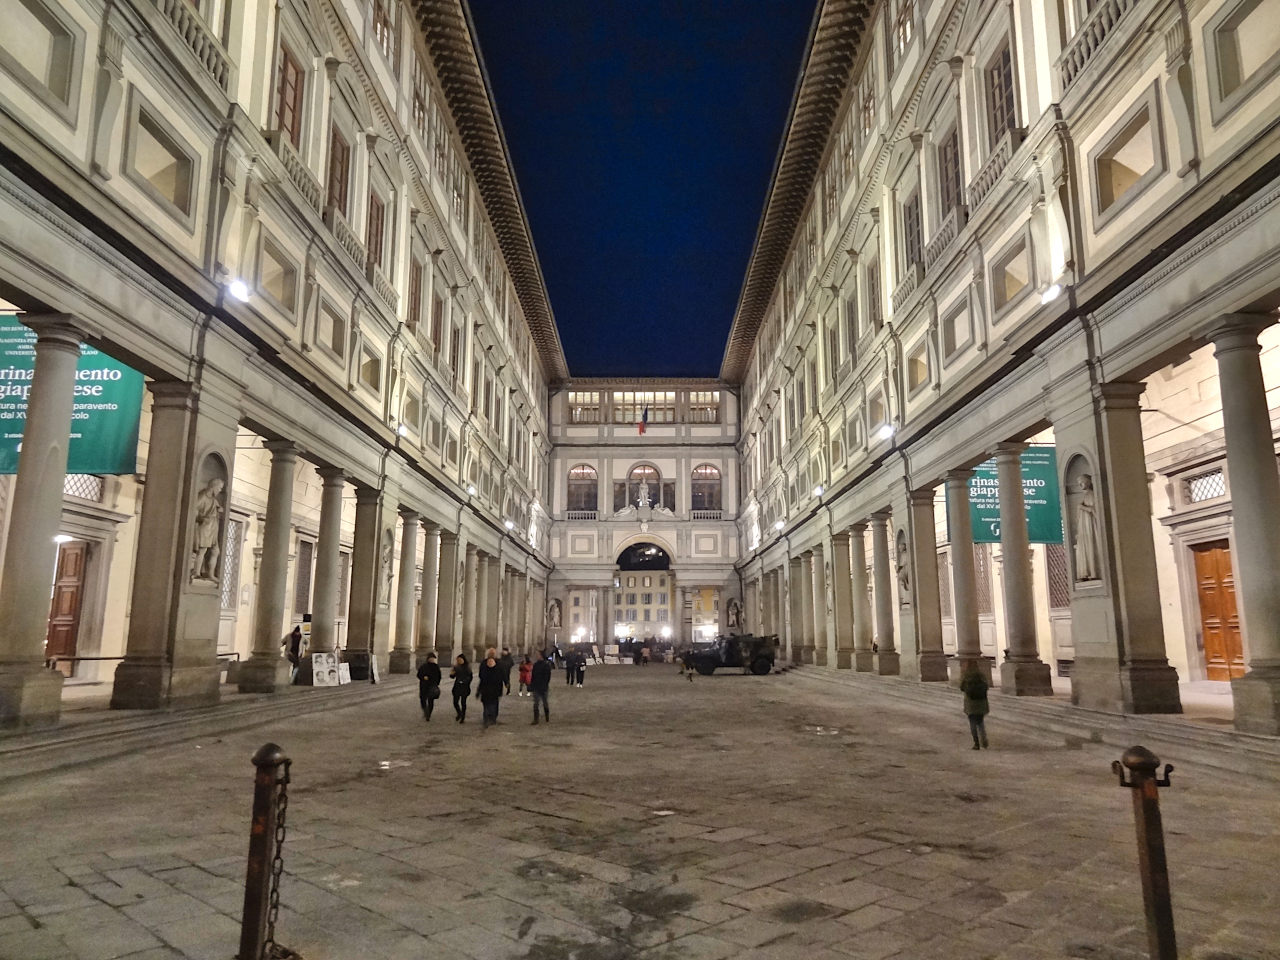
x: 976, y: 707
x: 428, y: 685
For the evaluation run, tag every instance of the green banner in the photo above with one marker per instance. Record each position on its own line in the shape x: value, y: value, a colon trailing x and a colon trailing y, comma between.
x: 1039, y: 491
x: 104, y: 415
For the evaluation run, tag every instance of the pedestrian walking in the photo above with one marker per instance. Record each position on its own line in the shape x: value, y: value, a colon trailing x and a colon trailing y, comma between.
x: 428, y: 685
x: 489, y: 689
x: 526, y: 674
x: 293, y: 650
x: 581, y: 670
x: 540, y: 685
x: 570, y: 667
x: 461, y: 674
x: 974, y: 687
x: 505, y: 663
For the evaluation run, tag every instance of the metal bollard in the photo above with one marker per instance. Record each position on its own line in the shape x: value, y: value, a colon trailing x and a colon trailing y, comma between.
x: 1143, y: 781
x: 266, y: 842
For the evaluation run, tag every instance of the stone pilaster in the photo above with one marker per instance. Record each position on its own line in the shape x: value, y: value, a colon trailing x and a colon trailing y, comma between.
x: 370, y: 569
x: 428, y: 600
x: 964, y: 580
x: 449, y: 602
x: 820, y: 631
x: 931, y: 661
x: 842, y: 599
x: 808, y: 646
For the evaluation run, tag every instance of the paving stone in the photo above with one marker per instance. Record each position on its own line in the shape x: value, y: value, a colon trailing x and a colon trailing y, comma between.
x: 107, y: 941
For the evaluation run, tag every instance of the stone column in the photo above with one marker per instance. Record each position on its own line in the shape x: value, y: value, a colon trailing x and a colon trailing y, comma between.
x: 480, y: 628
x: 603, y: 622
x: 366, y: 572
x: 171, y: 652
x: 795, y: 609
x: 1022, y: 673
x: 30, y: 694
x: 964, y: 580
x: 427, y: 601
x: 842, y: 599
x: 448, y: 639
x: 820, y: 652
x: 266, y: 671
x: 520, y: 617
x: 496, y: 579
x: 1255, y: 517
x: 470, y: 585
x: 328, y: 560
x: 402, y: 654
x: 863, y: 659
x: 886, y: 656
x: 808, y: 646
x: 931, y: 660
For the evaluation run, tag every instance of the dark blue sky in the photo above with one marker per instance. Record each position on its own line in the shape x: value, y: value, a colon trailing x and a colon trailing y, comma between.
x: 643, y: 136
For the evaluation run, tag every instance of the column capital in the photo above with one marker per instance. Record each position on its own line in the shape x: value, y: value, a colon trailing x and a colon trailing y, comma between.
x: 448, y: 536
x: 1009, y: 450
x: 57, y: 329
x: 958, y: 478
x: 408, y: 515
x: 1119, y: 394
x: 1235, y: 330
x: 430, y: 526
x: 282, y: 451
x: 858, y: 529
x: 920, y: 497
x: 332, y: 476
x: 472, y: 549
x: 839, y: 537
x: 880, y: 518
x: 179, y: 394
x: 367, y: 495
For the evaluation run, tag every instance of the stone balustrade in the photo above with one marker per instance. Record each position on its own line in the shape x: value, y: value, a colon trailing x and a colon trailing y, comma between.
x: 989, y: 175
x: 197, y: 37
x: 299, y: 175
x: 1092, y: 34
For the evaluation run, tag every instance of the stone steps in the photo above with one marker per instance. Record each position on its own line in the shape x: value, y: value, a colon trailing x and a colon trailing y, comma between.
x: 94, y: 734
x: 1172, y: 738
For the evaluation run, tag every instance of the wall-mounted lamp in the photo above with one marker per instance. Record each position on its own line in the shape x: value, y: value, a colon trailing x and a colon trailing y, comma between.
x: 471, y: 489
x: 779, y: 524
x: 1051, y: 294
x: 885, y: 432
x: 819, y: 490
x: 238, y: 289
x: 509, y: 524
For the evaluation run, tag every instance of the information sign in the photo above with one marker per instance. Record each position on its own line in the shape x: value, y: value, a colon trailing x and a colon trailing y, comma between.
x: 1039, y: 491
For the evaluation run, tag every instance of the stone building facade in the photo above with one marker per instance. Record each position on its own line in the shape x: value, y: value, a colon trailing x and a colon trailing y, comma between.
x: 1002, y: 223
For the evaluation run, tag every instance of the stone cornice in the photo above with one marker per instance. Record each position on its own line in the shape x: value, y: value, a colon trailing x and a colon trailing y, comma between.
x: 447, y: 27
x: 835, y: 39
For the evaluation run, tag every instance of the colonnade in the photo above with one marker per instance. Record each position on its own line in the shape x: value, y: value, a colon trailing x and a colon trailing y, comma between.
x: 171, y: 648
x: 814, y: 590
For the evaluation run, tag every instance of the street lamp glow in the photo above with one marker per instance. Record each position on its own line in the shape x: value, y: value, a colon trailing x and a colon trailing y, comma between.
x: 471, y: 489
x: 1051, y: 294
x: 238, y: 289
x: 666, y: 633
x: 885, y: 432
x: 819, y: 490
x: 402, y: 430
x: 510, y: 525
x: 778, y: 525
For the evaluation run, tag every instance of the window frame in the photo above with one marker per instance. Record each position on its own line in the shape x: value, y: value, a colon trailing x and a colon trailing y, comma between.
x: 1003, y: 54
x: 298, y: 104
x: 67, y: 110
x: 1000, y: 261
x: 343, y: 206
x: 1148, y: 102
x: 1223, y: 104
x: 137, y: 105
x: 281, y: 255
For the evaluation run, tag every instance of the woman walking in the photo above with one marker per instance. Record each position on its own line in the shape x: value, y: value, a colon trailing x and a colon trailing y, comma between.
x: 526, y: 674
x: 428, y: 685
x: 461, y: 674
x: 974, y: 688
x: 490, y: 687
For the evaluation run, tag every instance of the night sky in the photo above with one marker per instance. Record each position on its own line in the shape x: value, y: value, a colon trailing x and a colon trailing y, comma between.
x: 643, y: 137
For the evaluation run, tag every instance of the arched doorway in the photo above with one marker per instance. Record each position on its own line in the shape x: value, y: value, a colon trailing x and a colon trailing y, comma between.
x: 644, y: 604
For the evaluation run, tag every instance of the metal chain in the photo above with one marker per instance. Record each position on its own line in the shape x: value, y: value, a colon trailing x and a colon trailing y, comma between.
x: 269, y: 947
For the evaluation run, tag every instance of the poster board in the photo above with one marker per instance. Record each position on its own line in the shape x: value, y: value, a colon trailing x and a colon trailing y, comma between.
x: 373, y: 669
x: 344, y: 673
x: 324, y: 670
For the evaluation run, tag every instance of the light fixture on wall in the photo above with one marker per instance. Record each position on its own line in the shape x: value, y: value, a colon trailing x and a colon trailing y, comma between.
x: 509, y: 524
x: 819, y: 490
x: 885, y: 432
x: 779, y: 524
x: 471, y: 489
x: 62, y: 538
x: 1051, y: 294
x: 238, y: 289
x: 402, y: 431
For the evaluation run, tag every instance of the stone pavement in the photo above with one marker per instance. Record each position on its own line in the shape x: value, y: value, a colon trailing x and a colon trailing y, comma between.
x: 772, y: 817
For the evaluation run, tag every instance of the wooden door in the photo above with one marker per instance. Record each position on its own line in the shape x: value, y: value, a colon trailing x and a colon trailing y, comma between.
x: 68, y: 594
x: 1219, y: 621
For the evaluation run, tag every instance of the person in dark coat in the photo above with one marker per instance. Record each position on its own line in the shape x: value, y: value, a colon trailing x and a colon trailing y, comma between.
x: 506, y: 662
x: 489, y: 690
x: 428, y: 684
x: 540, y: 686
x: 581, y: 668
x: 974, y: 687
x: 461, y: 674
x: 570, y: 667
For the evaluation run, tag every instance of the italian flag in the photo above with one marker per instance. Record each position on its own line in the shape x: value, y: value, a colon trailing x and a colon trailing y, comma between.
x: 644, y: 420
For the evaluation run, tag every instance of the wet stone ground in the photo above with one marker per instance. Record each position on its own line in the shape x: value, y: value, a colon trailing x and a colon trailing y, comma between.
x: 773, y: 817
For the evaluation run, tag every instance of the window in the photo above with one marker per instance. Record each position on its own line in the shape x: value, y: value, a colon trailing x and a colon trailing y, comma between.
x: 302, y: 583
x: 384, y: 29
x: 371, y: 369
x: 704, y: 487
x: 339, y: 171
x: 158, y: 162
x: 412, y: 416
x: 41, y: 51
x: 375, y: 229
x: 950, y: 182
x: 876, y: 413
x: 455, y: 344
x: 956, y: 331
x: 333, y: 331
x: 867, y: 100
x: 584, y: 406
x: 1011, y: 274
x: 582, y: 488
x: 646, y: 598
x: 629, y: 406
x: 230, y: 588
x: 631, y: 598
x: 875, y: 317
x: 1001, y: 114
x: 918, y: 367
x: 277, y: 276
x: 289, y: 88
x: 437, y: 321
x: 1130, y: 160
x: 902, y: 30
x: 415, y: 294
x: 420, y: 112
x: 1244, y: 48
x: 704, y: 406
x: 912, y: 246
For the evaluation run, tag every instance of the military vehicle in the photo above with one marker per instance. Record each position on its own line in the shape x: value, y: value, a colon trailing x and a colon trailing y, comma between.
x: 751, y: 653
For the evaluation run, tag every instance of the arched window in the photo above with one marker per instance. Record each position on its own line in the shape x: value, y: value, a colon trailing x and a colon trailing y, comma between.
x: 646, y: 476
x: 582, y: 492
x: 705, y: 488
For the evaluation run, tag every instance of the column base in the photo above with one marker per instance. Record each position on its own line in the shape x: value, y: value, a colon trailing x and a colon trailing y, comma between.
x: 933, y: 667
x: 844, y: 659
x: 30, y: 697
x: 806, y: 655
x: 1150, y: 688
x: 887, y: 663
x: 358, y: 660
x: 263, y: 674
x: 820, y: 657
x: 1257, y: 701
x: 1026, y: 678
x: 864, y: 661
x: 957, y: 667
x: 402, y: 661
x: 155, y: 685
